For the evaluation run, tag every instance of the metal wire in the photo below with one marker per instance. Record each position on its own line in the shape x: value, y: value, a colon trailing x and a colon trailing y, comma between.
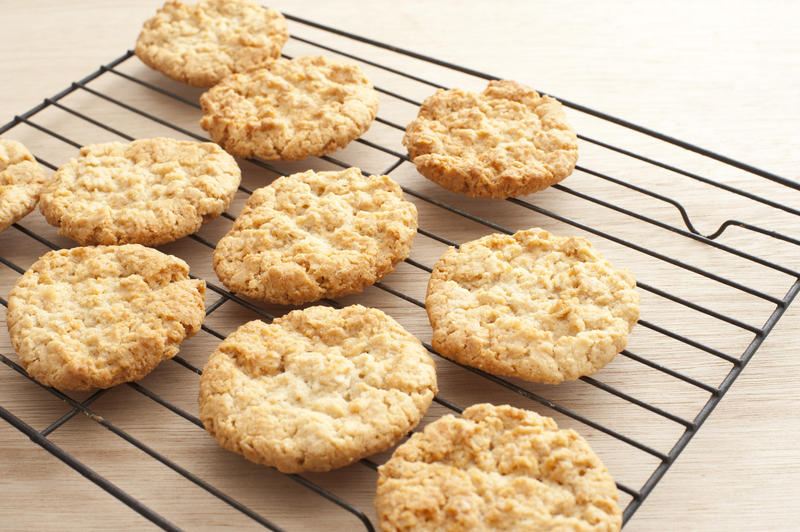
x: 688, y: 426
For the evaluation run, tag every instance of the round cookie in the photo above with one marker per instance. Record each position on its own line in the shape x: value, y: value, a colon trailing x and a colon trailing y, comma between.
x: 504, y: 142
x: 317, y: 389
x: 21, y: 180
x: 201, y: 44
x: 531, y: 305
x: 95, y: 317
x: 496, y: 468
x: 151, y: 191
x: 316, y: 234
x: 290, y: 109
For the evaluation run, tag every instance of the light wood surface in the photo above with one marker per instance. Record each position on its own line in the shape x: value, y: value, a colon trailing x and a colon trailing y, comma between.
x: 721, y: 75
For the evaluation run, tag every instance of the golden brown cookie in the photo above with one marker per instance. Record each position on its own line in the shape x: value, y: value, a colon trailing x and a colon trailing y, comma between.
x: 531, y: 305
x: 504, y: 142
x: 316, y: 234
x: 317, y: 389
x: 94, y: 317
x: 290, y: 109
x: 151, y: 191
x: 201, y: 43
x: 496, y: 468
x: 21, y: 180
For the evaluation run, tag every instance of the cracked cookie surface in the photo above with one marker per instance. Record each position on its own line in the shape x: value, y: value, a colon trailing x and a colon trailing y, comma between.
x: 316, y: 234
x: 21, y: 181
x: 290, y: 109
x: 95, y: 317
x: 504, y: 142
x: 201, y: 43
x: 531, y: 305
x: 151, y: 191
x: 496, y: 468
x: 317, y: 389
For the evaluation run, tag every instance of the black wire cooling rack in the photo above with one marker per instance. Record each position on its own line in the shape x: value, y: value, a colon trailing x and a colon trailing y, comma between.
x: 703, y: 366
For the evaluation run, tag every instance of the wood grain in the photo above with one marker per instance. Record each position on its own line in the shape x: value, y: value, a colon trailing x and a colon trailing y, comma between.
x: 724, y: 76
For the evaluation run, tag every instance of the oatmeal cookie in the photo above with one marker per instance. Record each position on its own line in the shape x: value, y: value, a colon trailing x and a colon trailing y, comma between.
x: 496, y: 468
x: 317, y: 389
x: 95, y: 317
x: 316, y: 234
x: 504, y: 142
x: 201, y: 44
x: 151, y: 191
x: 531, y: 305
x: 290, y: 109
x: 21, y: 180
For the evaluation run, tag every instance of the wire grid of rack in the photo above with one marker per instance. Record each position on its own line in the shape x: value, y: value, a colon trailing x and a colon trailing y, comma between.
x: 600, y: 428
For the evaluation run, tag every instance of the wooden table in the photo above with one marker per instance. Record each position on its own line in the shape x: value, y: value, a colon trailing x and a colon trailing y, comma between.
x: 723, y: 77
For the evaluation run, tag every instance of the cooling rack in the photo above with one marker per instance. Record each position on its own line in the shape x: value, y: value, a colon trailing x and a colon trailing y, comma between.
x: 679, y: 221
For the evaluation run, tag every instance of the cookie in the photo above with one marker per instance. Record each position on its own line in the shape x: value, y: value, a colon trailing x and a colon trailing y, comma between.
x: 317, y: 389
x: 151, y: 191
x: 496, y: 468
x: 316, y: 234
x: 504, y: 142
x: 531, y: 305
x: 202, y: 43
x: 291, y: 109
x: 21, y: 180
x: 95, y: 317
